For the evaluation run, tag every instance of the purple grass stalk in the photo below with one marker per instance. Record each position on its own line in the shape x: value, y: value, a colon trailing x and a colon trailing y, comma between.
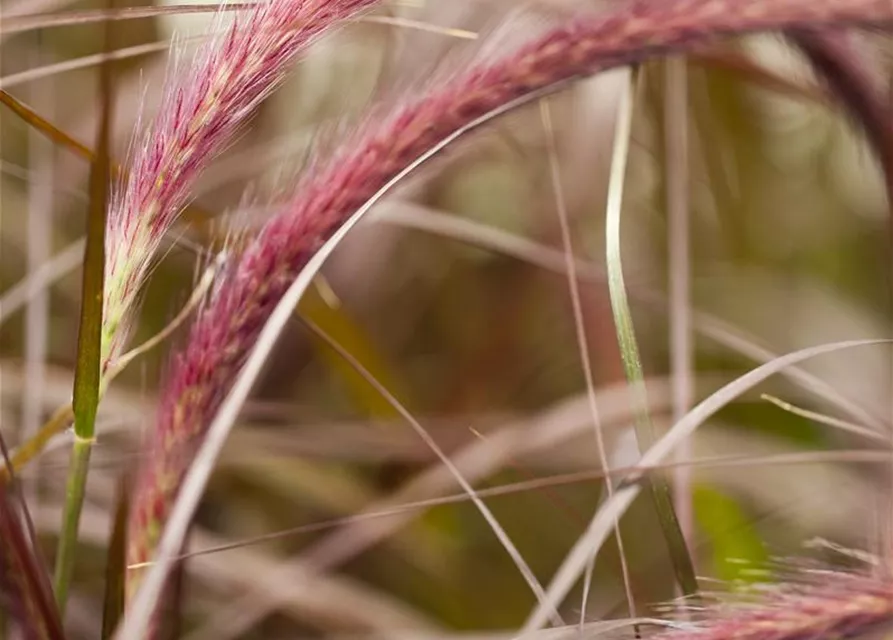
x: 25, y: 590
x: 211, y: 97
x: 842, y: 605
x: 330, y: 192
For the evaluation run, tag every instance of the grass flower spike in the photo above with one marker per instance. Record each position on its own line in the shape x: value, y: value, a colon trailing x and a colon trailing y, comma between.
x: 741, y: 160
x: 210, y: 98
x: 202, y: 110
x: 331, y: 191
x: 842, y: 605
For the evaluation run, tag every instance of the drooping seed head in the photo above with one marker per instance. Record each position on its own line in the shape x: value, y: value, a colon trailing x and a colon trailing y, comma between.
x: 380, y: 150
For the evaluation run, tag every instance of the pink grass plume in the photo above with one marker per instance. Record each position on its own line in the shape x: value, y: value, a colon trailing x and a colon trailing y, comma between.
x: 255, y: 280
x: 831, y: 604
x: 209, y: 98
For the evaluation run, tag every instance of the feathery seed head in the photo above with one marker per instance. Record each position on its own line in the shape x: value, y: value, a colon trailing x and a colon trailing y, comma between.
x: 209, y: 98
x: 832, y: 604
x: 228, y: 326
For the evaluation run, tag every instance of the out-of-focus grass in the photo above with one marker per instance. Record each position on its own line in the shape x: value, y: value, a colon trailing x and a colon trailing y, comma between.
x: 788, y: 243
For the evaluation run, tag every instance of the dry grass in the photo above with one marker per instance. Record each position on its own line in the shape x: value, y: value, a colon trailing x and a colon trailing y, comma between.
x: 407, y: 324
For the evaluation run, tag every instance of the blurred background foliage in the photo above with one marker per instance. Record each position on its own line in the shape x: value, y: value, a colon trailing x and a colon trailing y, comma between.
x: 789, y: 246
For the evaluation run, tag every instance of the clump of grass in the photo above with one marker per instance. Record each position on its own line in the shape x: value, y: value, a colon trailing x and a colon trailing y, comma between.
x: 207, y: 101
x: 213, y: 95
x: 331, y: 191
x: 209, y: 98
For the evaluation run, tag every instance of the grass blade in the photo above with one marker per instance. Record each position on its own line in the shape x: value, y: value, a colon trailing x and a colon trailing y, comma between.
x: 23, y: 576
x: 87, y: 375
x: 192, y: 213
x: 601, y: 525
x: 170, y: 619
x: 491, y: 520
x: 626, y: 337
x: 31, y: 448
x: 141, y: 612
x: 137, y: 621
x: 44, y: 126
x: 677, y: 176
x: 24, y: 581
x: 586, y: 365
x: 338, y: 324
x: 21, y: 23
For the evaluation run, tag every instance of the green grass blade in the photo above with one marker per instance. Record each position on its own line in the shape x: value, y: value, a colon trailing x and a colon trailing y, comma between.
x: 87, y: 375
x: 87, y: 369
x: 75, y: 489
x: 626, y: 337
x: 601, y: 525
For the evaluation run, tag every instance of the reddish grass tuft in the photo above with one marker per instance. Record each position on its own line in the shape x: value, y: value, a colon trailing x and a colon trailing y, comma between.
x: 209, y: 98
x: 828, y: 605
x: 330, y: 192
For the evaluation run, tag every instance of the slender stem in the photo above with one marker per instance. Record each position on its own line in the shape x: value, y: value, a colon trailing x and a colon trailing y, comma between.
x: 629, y: 350
x: 71, y: 518
x: 681, y: 352
x: 88, y: 384
x: 585, y: 360
x: 31, y: 448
